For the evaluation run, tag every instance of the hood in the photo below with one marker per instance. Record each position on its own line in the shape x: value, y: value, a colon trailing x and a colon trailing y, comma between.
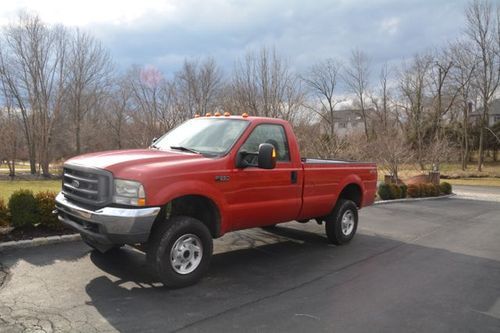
x: 117, y: 160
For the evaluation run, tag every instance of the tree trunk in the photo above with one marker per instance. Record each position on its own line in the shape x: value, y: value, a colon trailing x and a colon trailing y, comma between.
x: 480, y: 158
x: 77, y: 133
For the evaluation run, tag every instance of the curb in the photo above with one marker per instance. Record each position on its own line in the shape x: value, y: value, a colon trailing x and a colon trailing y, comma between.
x: 38, y: 242
x: 76, y: 237
x: 385, y: 202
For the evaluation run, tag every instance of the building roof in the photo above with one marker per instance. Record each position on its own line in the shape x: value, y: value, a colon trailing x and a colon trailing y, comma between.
x: 349, y: 115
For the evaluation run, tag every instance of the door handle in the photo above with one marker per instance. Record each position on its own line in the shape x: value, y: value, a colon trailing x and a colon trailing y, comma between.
x: 293, y: 177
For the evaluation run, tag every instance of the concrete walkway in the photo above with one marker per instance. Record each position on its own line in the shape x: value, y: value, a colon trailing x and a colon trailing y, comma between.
x: 487, y: 193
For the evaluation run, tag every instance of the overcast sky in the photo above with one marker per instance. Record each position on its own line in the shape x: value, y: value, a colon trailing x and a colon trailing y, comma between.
x: 163, y: 33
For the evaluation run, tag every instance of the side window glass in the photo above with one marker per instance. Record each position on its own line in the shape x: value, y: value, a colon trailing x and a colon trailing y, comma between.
x: 268, y: 133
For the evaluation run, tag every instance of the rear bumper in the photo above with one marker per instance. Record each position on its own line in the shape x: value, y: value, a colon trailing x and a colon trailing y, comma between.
x: 108, y: 225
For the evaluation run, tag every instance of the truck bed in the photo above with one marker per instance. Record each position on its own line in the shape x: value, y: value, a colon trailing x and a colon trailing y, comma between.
x: 324, y: 179
x: 328, y: 161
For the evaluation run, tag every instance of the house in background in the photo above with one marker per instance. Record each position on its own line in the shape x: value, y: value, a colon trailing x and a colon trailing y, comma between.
x: 348, y: 121
x: 494, y: 114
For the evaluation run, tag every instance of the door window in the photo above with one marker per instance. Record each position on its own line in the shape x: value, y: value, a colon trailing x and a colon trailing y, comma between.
x: 268, y: 133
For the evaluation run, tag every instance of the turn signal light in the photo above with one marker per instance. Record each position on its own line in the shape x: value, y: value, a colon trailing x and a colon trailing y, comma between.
x: 141, y: 202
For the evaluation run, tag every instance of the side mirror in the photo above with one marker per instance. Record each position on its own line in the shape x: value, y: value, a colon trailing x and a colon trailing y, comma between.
x: 266, y: 156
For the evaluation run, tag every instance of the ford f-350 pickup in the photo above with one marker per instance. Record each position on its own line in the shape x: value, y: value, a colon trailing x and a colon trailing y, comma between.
x: 209, y: 176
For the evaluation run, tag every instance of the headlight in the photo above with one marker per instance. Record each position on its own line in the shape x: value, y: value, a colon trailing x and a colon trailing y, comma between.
x: 129, y: 192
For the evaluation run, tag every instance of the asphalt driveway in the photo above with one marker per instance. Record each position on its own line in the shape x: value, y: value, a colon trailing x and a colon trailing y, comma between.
x: 419, y: 266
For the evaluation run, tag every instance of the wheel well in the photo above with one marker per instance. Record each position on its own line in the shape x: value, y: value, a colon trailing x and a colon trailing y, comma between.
x: 196, y: 206
x: 352, y: 192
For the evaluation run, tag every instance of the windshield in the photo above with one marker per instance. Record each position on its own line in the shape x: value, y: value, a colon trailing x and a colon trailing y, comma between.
x: 208, y: 136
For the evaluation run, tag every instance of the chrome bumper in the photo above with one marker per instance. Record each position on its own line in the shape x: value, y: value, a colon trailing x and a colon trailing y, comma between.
x: 108, y: 225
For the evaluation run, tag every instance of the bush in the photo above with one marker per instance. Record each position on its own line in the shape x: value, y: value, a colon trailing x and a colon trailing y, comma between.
x: 445, y: 188
x: 404, y: 190
x: 422, y: 189
x: 46, y: 202
x: 23, y: 208
x: 395, y: 191
x: 437, y: 189
x: 4, y: 214
x: 431, y: 190
x: 384, y: 192
x: 414, y: 191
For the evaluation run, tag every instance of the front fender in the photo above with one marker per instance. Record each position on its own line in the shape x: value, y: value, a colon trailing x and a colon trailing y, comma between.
x: 193, y: 187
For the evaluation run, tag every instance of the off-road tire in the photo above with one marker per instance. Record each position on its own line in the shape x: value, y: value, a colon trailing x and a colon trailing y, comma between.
x: 165, y: 237
x: 334, y: 225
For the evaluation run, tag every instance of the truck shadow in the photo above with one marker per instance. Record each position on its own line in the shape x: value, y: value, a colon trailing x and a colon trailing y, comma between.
x: 370, y: 268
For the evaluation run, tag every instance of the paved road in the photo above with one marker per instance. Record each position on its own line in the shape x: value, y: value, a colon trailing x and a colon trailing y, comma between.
x: 421, y: 266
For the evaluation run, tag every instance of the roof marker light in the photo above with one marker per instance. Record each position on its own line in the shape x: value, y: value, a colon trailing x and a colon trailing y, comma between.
x: 244, y: 115
x: 197, y: 116
x: 226, y: 114
x: 208, y: 114
x: 217, y: 114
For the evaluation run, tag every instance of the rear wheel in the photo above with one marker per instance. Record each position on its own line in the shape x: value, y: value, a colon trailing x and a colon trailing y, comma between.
x: 180, y: 251
x: 342, y: 223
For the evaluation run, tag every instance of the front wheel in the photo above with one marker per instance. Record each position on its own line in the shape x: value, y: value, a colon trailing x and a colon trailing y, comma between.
x: 342, y: 223
x: 180, y: 251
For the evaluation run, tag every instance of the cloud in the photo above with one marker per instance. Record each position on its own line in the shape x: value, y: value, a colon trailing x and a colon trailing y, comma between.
x: 164, y: 33
x: 88, y: 12
x: 390, y: 25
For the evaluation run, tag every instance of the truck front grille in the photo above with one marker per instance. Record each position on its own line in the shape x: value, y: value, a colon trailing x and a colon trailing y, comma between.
x: 86, y: 185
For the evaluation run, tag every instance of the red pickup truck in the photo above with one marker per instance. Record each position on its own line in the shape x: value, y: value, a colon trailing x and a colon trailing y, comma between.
x: 208, y: 176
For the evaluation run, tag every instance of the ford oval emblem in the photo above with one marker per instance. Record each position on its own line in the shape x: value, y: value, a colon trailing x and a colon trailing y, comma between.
x: 75, y: 183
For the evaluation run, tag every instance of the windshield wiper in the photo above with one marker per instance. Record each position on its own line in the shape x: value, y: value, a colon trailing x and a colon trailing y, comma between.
x: 185, y: 149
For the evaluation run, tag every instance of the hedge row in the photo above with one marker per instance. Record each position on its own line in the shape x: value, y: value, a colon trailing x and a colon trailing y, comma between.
x: 26, y: 209
x: 393, y: 191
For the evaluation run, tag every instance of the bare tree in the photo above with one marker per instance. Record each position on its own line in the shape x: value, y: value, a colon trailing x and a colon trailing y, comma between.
x: 89, y: 71
x: 465, y: 65
x: 199, y: 86
x: 390, y: 151
x: 357, y: 75
x: 442, y: 91
x: 382, y: 101
x: 321, y: 81
x: 483, y: 31
x: 264, y: 85
x: 32, y: 68
x: 414, y: 95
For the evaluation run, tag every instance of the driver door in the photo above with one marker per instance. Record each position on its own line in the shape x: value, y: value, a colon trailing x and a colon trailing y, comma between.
x: 264, y: 197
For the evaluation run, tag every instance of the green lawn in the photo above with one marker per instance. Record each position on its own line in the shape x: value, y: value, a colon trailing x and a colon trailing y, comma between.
x: 9, y: 186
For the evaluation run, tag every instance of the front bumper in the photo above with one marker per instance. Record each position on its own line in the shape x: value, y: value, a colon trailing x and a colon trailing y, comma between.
x: 108, y: 225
